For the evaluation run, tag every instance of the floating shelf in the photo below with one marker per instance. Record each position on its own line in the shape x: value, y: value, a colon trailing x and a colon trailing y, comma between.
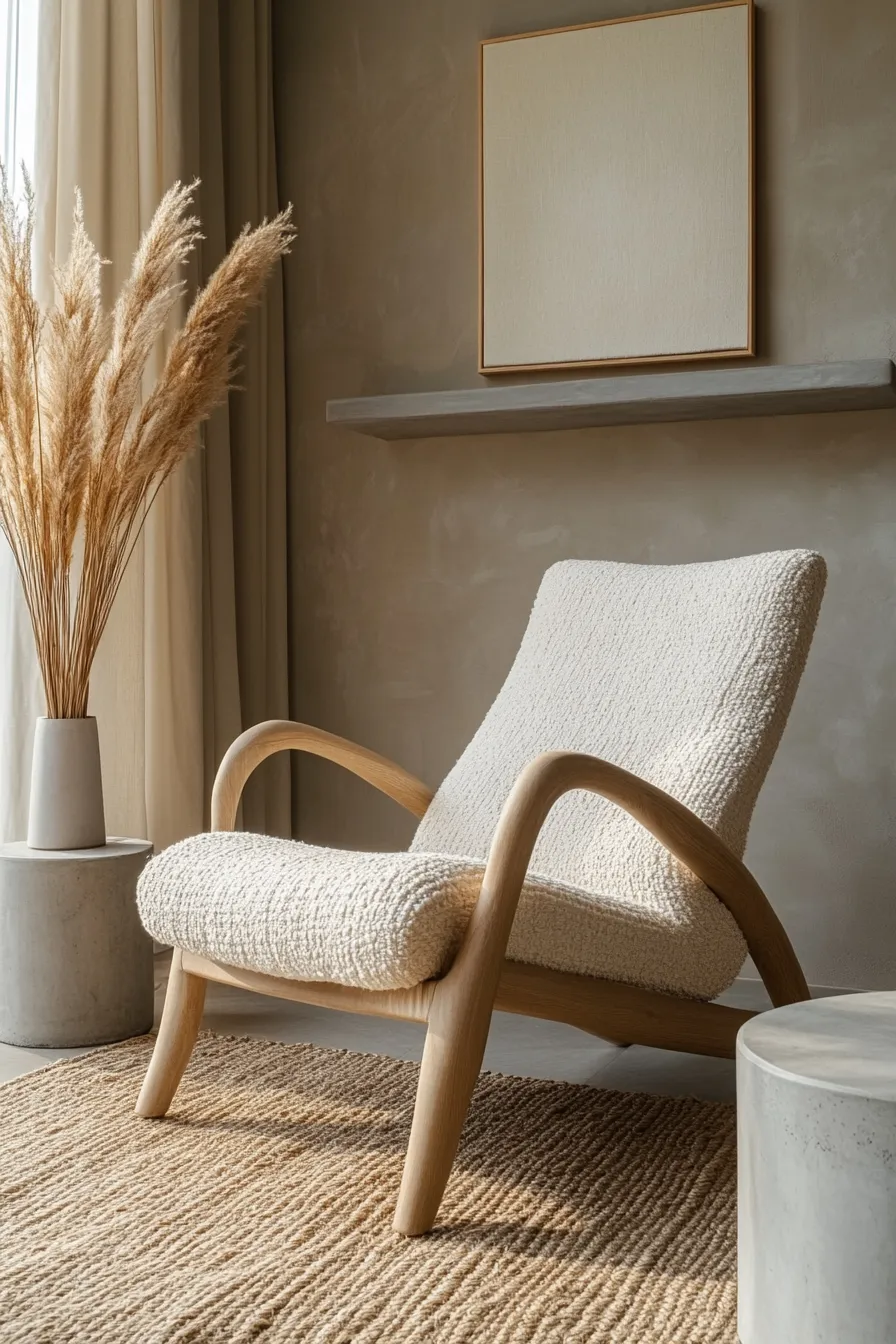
x: 707, y: 394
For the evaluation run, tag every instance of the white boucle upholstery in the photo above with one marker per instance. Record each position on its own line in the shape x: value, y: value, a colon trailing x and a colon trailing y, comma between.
x: 389, y: 921
x: 684, y: 675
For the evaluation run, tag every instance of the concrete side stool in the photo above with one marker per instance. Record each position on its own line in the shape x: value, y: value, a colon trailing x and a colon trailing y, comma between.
x: 76, y: 966
x: 816, y: 1142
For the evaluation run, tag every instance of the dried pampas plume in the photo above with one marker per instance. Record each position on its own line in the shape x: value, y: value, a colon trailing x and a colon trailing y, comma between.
x: 82, y: 452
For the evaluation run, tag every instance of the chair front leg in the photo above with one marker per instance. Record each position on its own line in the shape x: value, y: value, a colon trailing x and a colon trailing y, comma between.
x: 452, y: 1058
x: 181, y: 1017
x: 461, y: 1011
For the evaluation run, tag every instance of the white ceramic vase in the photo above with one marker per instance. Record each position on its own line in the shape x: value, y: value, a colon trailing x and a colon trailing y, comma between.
x: 66, y: 807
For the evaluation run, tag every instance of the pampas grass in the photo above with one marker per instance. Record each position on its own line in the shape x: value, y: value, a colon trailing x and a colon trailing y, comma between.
x: 82, y: 452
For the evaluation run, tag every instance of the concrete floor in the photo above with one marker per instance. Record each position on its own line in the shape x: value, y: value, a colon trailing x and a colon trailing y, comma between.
x: 517, y: 1045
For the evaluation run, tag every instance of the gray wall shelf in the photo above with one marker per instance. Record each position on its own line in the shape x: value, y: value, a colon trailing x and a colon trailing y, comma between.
x: 705, y: 394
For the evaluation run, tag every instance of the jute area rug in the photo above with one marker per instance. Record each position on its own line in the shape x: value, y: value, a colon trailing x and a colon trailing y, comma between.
x: 261, y: 1209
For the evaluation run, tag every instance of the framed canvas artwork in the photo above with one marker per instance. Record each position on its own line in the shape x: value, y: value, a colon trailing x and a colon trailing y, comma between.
x: 616, y: 191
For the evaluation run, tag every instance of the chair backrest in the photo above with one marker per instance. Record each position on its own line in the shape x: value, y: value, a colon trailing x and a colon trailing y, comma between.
x: 683, y: 674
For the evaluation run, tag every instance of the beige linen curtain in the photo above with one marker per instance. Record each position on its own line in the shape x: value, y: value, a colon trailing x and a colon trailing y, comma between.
x: 246, y: 569
x: 132, y: 95
x: 21, y: 692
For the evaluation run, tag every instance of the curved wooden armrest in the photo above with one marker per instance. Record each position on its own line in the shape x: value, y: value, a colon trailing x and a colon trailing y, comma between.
x: 542, y: 782
x: 255, y: 744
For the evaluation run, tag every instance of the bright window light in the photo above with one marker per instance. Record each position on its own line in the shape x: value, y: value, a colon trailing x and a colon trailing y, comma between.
x: 18, y: 85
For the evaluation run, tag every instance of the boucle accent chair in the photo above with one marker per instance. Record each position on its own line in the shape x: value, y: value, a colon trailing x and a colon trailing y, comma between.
x: 581, y: 862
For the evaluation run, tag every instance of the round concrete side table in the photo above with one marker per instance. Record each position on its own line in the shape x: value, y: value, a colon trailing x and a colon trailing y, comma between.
x: 76, y: 966
x: 816, y: 1142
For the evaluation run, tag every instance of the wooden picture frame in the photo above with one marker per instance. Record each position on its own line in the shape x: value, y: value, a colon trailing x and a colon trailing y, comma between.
x: 685, y: 295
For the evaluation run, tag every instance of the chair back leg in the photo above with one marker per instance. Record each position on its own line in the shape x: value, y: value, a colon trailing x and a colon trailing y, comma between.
x: 181, y: 1016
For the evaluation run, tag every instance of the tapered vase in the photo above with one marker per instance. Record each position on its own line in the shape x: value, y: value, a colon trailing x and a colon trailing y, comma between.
x: 66, y: 807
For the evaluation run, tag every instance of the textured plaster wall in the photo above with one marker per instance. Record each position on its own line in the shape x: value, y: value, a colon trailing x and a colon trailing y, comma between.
x: 414, y: 565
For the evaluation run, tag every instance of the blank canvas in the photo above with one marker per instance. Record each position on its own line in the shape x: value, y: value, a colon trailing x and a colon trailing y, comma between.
x: 617, y: 215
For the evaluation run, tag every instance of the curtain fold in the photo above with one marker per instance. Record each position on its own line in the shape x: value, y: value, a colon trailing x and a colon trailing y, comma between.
x: 132, y: 95
x: 245, y: 460
x: 21, y: 692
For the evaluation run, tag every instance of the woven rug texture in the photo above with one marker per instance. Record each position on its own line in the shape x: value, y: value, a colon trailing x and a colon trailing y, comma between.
x: 261, y: 1208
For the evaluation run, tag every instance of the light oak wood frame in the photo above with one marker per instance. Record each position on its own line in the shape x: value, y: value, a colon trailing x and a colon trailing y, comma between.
x: 457, y: 1008
x: 489, y: 370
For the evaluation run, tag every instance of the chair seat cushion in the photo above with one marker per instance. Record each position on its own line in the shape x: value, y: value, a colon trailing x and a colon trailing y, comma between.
x: 393, y: 920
